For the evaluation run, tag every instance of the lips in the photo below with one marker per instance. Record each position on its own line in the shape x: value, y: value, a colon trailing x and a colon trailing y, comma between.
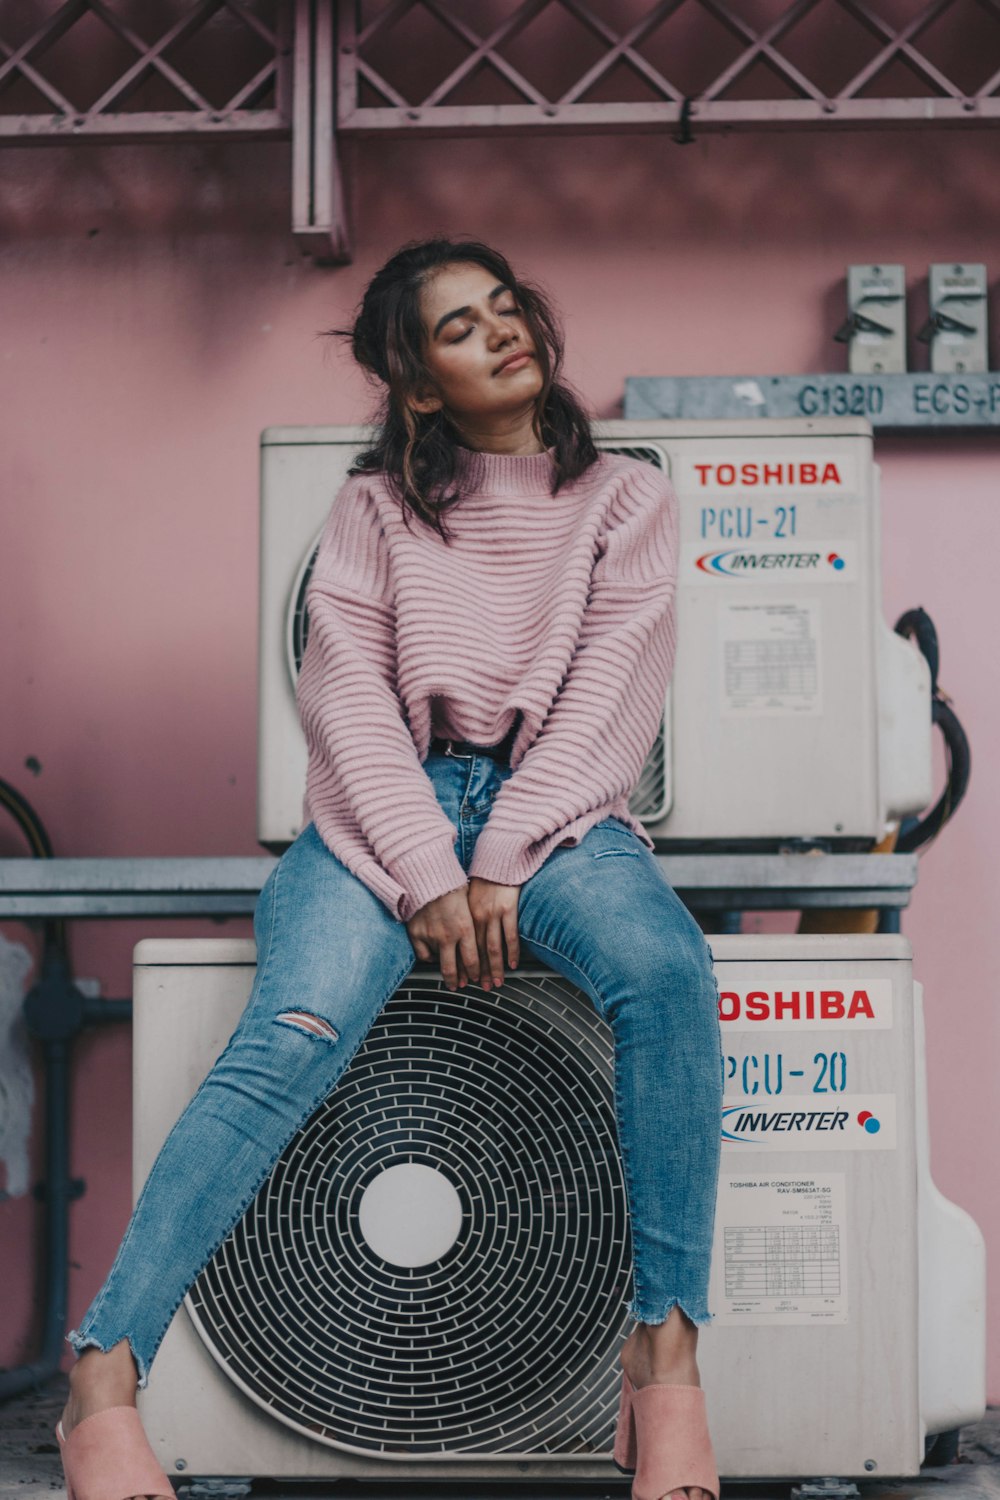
x: 521, y: 357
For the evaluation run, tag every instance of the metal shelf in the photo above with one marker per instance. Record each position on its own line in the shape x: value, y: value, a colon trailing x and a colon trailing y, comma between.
x: 229, y: 887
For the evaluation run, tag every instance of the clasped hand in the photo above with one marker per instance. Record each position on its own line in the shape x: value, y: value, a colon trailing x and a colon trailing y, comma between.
x: 464, y: 929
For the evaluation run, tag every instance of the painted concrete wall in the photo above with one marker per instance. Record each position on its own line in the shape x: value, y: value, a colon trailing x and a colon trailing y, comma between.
x: 155, y: 315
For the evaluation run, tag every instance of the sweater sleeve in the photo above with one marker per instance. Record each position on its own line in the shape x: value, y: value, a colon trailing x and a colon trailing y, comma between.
x: 363, y: 769
x: 594, y: 740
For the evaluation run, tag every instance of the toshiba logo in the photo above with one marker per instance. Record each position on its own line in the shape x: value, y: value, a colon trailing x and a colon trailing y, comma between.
x: 796, y: 1005
x: 766, y: 475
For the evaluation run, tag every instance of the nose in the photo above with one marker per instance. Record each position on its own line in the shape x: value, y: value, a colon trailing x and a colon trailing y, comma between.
x: 502, y: 329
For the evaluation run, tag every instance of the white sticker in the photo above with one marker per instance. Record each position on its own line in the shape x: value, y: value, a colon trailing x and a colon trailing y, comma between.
x: 780, y: 1250
x: 774, y: 562
x: 805, y: 1005
x: 769, y: 656
x: 803, y: 1122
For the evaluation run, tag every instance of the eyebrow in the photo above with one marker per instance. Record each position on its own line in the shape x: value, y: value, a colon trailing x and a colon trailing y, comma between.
x: 462, y: 312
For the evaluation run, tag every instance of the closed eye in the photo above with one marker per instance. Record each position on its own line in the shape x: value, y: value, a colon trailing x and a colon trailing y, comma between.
x: 506, y: 312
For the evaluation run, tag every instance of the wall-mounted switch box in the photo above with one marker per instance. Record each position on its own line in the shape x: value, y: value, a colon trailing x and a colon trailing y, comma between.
x: 956, y: 329
x: 875, y: 329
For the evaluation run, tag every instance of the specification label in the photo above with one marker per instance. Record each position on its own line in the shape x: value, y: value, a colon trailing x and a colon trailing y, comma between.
x: 780, y: 1252
x: 770, y: 658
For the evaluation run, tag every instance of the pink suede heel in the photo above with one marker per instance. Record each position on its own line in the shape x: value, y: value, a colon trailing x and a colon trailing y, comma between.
x: 108, y: 1457
x: 667, y: 1432
x: 623, y: 1453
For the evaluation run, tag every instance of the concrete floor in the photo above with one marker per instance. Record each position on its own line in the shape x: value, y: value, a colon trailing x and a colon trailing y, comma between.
x: 30, y: 1467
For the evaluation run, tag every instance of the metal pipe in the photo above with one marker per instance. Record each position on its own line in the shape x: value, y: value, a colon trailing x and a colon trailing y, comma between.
x: 56, y: 1226
x: 56, y: 1013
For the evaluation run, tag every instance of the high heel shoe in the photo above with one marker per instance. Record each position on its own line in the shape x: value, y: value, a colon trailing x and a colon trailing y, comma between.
x: 663, y: 1440
x: 623, y: 1453
x: 107, y: 1457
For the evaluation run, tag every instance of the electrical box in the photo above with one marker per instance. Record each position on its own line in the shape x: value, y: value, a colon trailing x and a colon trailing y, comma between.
x: 875, y: 329
x: 956, y: 329
x: 794, y: 712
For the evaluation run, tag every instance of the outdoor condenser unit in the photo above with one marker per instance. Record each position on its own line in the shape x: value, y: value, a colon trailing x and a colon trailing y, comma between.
x: 433, y: 1281
x: 794, y: 712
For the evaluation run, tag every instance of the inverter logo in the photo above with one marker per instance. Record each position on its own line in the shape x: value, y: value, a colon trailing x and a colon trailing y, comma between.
x: 747, y: 562
x: 810, y: 1122
x: 758, y: 474
x: 803, y: 1005
x: 742, y: 1124
x: 825, y: 560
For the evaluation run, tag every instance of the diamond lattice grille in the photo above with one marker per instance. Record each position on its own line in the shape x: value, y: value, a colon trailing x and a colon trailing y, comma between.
x: 120, y: 69
x: 489, y: 65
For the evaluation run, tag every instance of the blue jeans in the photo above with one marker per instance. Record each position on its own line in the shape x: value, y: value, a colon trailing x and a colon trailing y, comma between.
x: 602, y: 914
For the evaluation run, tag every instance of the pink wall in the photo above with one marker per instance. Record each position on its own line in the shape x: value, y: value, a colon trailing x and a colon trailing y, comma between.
x: 155, y: 314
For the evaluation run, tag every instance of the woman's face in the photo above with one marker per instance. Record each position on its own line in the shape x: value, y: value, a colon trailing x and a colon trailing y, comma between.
x: 472, y: 325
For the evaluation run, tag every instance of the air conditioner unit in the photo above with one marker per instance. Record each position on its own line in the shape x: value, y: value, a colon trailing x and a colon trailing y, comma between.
x: 432, y: 1282
x: 794, y: 711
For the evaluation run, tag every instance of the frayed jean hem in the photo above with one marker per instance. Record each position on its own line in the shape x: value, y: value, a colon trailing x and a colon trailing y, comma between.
x: 698, y: 1315
x: 80, y: 1341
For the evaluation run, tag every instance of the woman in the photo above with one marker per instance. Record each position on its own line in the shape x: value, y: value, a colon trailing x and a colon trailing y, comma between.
x: 491, y: 633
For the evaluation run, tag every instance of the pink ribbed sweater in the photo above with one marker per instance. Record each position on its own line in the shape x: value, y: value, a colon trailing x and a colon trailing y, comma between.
x: 561, y: 606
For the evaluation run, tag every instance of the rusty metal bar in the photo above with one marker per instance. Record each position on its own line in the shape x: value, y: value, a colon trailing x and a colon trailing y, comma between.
x: 319, y: 218
x: 625, y: 119
x: 139, y: 128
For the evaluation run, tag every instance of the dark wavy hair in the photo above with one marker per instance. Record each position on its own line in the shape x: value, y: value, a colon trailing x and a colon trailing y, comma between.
x: 416, y: 450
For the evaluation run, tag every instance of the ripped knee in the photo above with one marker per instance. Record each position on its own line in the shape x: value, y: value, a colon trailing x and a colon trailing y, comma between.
x: 304, y: 1020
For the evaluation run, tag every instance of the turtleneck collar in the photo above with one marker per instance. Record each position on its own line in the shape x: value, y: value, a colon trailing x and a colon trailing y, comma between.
x: 477, y: 472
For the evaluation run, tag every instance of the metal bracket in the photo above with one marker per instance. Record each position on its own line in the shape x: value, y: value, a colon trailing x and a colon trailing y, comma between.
x: 215, y: 1489
x: 319, y: 208
x: 830, y: 1488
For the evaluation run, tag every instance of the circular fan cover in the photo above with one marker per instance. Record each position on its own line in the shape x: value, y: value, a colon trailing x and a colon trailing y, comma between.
x: 440, y: 1260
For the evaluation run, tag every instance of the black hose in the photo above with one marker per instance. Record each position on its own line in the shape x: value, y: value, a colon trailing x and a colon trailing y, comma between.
x: 917, y: 624
x: 56, y: 1233
x: 959, y: 757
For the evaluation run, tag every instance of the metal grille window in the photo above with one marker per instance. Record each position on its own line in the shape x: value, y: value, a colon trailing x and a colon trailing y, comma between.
x: 614, y: 66
x: 316, y: 70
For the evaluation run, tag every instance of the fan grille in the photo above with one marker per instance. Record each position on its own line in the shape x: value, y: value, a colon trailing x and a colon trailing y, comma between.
x: 440, y: 1260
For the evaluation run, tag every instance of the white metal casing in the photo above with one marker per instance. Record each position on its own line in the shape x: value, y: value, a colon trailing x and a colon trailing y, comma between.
x: 794, y: 710
x: 803, y: 1377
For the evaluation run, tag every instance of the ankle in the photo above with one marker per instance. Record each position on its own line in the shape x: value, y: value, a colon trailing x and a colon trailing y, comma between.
x: 664, y: 1351
x: 676, y: 1331
x: 100, y: 1379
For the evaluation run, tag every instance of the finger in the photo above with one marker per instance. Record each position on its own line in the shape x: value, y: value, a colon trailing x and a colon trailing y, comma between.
x: 484, y: 961
x: 469, y: 949
x: 513, y: 941
x: 422, y: 949
x: 449, y: 967
x: 494, y: 948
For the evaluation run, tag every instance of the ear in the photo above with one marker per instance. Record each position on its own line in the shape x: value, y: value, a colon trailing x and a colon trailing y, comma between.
x: 425, y: 402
